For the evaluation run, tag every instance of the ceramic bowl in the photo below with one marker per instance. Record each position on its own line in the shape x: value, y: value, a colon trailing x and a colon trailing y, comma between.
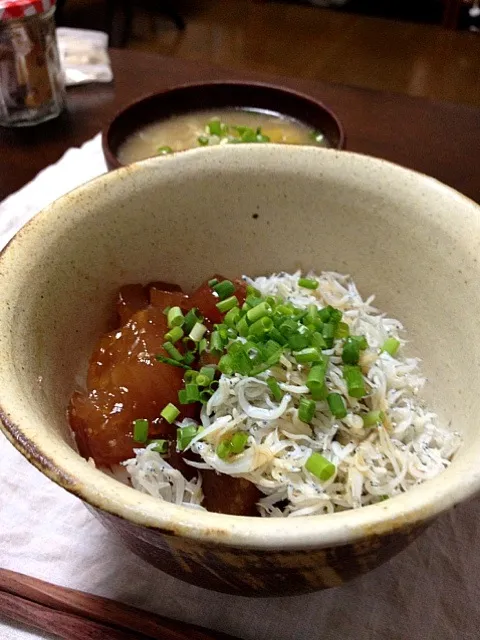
x: 218, y: 95
x: 403, y: 236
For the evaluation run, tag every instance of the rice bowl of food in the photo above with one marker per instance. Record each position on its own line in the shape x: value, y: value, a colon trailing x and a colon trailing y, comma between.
x: 278, y: 402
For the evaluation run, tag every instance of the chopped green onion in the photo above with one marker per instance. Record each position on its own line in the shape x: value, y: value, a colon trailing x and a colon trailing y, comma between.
x: 297, y: 342
x: 202, y: 345
x: 238, y: 442
x: 274, y: 387
x: 170, y: 412
x: 306, y: 410
x: 174, y: 335
x: 391, y: 346
x: 242, y: 327
x: 185, y: 435
x: 258, y: 311
x: 192, y: 391
x: 172, y: 351
x: 320, y: 467
x: 275, y: 334
x: 214, y: 127
x: 190, y: 376
x: 202, y: 381
x: 318, y: 341
x: 261, y: 326
x: 190, y: 320
x: 208, y: 372
x: 342, y: 331
x: 216, y: 342
x: 171, y: 361
x: 224, y: 289
x: 223, y: 449
x: 354, y: 379
x: 225, y: 364
x: 361, y: 341
x: 232, y: 317
x: 324, y: 314
x: 335, y: 315
x: 163, y: 151
x: 198, y: 331
x: 319, y: 393
x: 310, y: 354
x: 316, y: 378
x: 205, y: 395
x: 351, y: 351
x: 202, y: 141
x: 161, y: 446
x: 312, y: 313
x: 183, y: 397
x: 189, y: 357
x: 262, y: 138
x: 308, y: 283
x: 225, y: 305
x: 328, y: 333
x: 175, y: 317
x: 212, y: 282
x: 372, y: 418
x: 337, y: 405
x: 140, y: 430
x: 253, y: 301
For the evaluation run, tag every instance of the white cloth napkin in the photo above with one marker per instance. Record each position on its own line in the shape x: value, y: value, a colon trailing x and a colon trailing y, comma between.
x: 431, y: 591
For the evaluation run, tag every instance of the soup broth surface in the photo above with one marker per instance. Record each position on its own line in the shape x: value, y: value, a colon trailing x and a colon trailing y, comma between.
x: 221, y: 126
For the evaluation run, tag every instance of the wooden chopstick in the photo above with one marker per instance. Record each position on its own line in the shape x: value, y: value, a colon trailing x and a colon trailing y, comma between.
x: 75, y: 615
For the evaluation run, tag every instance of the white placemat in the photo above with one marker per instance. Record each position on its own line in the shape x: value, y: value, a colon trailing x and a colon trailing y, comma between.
x: 431, y: 591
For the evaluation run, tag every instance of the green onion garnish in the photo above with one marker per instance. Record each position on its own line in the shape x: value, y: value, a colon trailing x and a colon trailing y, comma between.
x: 171, y: 361
x: 198, y: 331
x: 223, y: 449
x: 391, y: 346
x: 354, y: 378
x: 306, y: 410
x: 238, y: 442
x: 225, y: 305
x: 320, y: 467
x: 232, y: 317
x: 337, y: 405
x: 373, y: 418
x: 310, y: 354
x: 274, y: 387
x: 193, y: 394
x: 316, y: 377
x: 224, y: 289
x: 170, y: 412
x: 261, y: 327
x: 163, y: 151
x: 140, y: 430
x: 191, y: 319
x: 175, y: 317
x: 351, y: 351
x: 161, y: 446
x: 308, y: 283
x: 225, y: 364
x: 362, y: 342
x: 174, y: 335
x: 342, y: 331
x: 214, y: 127
x: 202, y: 141
x: 328, y: 333
x: 185, y: 435
x: 258, y: 311
x: 298, y: 341
x: 172, y: 351
x: 216, y: 342
x: 212, y: 282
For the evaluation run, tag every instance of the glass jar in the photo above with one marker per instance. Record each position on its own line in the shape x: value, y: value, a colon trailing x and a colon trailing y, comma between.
x: 32, y: 87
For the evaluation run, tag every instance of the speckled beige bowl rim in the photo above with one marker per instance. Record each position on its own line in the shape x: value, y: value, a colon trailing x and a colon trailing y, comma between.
x: 420, y: 504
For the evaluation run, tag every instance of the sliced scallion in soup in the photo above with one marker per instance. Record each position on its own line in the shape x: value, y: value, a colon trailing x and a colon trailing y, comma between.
x: 223, y: 126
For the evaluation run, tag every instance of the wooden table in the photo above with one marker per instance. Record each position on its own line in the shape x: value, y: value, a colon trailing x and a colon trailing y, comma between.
x: 436, y: 138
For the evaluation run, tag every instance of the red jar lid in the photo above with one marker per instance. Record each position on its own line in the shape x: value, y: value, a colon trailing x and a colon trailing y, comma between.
x: 14, y: 9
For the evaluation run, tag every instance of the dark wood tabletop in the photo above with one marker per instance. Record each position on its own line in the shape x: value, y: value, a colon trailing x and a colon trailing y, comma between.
x: 440, y: 139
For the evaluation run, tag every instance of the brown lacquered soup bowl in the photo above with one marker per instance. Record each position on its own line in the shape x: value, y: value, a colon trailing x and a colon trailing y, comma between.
x: 409, y: 239
x: 209, y: 96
